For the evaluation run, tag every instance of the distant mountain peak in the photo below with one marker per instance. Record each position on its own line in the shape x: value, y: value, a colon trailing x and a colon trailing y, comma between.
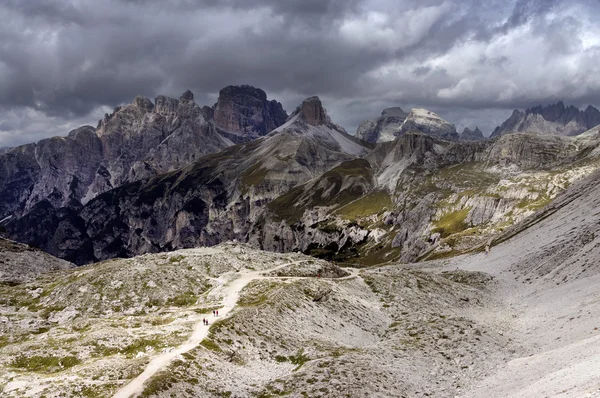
x: 394, y: 122
x: 312, y: 112
x: 472, y: 135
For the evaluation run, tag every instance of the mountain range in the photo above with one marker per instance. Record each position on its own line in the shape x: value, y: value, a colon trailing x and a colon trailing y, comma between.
x: 164, y: 176
x: 552, y: 119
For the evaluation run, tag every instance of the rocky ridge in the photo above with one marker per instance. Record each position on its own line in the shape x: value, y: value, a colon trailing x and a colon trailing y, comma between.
x: 552, y: 119
x: 205, y: 203
x: 136, y: 141
x: 308, y: 186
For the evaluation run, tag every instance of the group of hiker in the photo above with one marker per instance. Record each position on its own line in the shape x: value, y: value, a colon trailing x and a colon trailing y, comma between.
x: 205, y: 321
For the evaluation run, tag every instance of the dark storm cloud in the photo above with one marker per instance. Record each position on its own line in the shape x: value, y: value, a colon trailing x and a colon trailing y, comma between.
x: 66, y: 62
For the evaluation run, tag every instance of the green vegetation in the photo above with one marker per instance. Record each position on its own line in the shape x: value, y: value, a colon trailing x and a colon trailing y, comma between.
x: 373, y: 203
x: 299, y: 359
x: 183, y: 300
x: 159, y: 383
x: 256, y: 292
x: 210, y: 345
x: 44, y: 364
x: 176, y: 259
x: 253, y: 176
x: 452, y: 222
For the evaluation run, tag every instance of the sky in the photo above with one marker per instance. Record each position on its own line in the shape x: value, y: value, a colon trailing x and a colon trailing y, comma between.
x: 64, y: 63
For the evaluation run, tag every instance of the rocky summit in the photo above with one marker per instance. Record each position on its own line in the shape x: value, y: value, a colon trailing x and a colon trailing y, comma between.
x: 394, y: 122
x: 243, y: 113
x: 552, y: 119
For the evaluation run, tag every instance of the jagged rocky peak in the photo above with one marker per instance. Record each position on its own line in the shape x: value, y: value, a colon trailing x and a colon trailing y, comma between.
x: 188, y: 96
x: 245, y: 112
x: 166, y: 106
x: 312, y: 112
x: 471, y: 135
x: 143, y: 103
x: 554, y: 119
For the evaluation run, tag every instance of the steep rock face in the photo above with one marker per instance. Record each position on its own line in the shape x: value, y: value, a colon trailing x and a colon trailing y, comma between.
x: 312, y: 112
x: 553, y: 119
x: 57, y: 170
x: 188, y: 133
x: 382, y: 129
x: 471, y: 135
x: 244, y: 113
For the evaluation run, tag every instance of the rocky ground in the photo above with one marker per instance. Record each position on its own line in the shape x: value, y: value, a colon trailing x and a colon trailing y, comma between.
x: 521, y: 321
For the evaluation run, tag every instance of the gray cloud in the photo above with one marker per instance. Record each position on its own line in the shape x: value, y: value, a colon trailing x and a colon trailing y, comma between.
x: 64, y: 62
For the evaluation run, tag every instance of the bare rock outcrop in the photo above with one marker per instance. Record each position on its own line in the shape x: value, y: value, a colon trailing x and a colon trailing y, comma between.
x: 382, y: 129
x: 244, y: 113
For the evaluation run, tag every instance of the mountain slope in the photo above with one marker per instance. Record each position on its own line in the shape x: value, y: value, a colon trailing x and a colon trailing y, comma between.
x: 420, y: 197
x: 547, y: 268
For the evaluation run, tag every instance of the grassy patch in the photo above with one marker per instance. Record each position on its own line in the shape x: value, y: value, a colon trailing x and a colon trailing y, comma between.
x: 176, y: 259
x: 299, y: 359
x: 159, y: 383
x: 183, y: 300
x: 373, y: 203
x: 340, y: 191
x: 254, y: 176
x: 45, y: 364
x: 452, y: 223
x: 211, y: 345
x: 256, y: 293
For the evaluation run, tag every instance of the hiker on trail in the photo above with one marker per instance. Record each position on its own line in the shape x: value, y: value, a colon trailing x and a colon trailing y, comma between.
x: 204, y: 321
x: 217, y: 312
x: 488, y: 246
x: 214, y: 313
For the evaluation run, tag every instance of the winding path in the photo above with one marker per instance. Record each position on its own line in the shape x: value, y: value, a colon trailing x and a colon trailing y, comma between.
x: 230, y: 290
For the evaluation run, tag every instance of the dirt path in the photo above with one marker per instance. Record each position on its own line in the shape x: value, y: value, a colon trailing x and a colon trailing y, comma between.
x: 230, y: 291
